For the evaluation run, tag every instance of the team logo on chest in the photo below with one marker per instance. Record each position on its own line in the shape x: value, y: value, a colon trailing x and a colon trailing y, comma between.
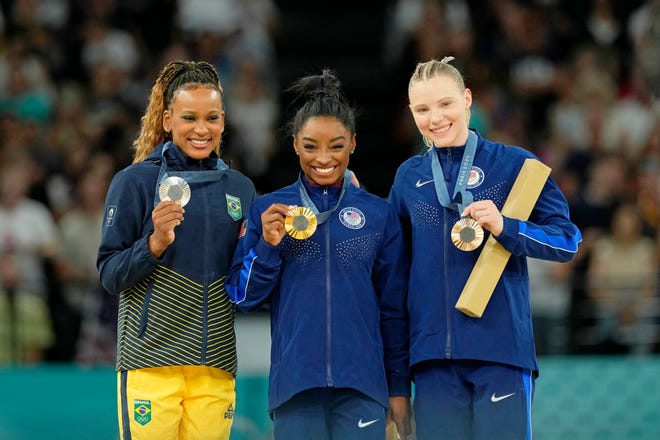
x: 476, y: 178
x: 352, y: 218
x: 234, y: 207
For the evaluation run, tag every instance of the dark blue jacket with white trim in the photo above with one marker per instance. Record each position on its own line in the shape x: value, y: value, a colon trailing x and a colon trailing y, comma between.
x: 337, y: 299
x: 173, y: 310
x: 439, y: 270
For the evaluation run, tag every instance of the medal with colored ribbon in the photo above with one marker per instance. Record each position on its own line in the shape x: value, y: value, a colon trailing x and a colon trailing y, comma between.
x: 302, y: 223
x: 174, y: 185
x: 466, y: 234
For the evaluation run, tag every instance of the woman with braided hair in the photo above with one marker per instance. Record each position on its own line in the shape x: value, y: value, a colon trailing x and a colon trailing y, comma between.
x: 172, y: 221
x: 329, y: 259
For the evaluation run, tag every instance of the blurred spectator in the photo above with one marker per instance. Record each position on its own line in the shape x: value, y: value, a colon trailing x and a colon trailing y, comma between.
x: 224, y: 31
x: 221, y: 16
x: 623, y: 282
x: 105, y: 45
x: 644, y: 32
x: 584, y: 91
x: 252, y: 119
x: 550, y: 296
x: 97, y: 343
x: 630, y: 123
x: 110, y: 111
x: 647, y: 187
x: 528, y: 49
x: 80, y: 232
x: 603, y: 24
x: 27, y: 238
x: 420, y: 21
x: 592, y: 211
x: 25, y: 86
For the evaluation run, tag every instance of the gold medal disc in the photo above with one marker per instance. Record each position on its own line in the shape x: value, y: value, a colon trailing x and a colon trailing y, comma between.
x: 467, y: 234
x: 302, y: 224
x: 175, y: 189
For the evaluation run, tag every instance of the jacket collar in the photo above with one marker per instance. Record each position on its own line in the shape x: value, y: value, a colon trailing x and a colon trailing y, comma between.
x: 177, y: 160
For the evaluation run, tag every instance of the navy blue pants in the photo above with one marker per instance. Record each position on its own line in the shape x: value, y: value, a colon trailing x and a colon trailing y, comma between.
x: 472, y: 400
x: 329, y: 414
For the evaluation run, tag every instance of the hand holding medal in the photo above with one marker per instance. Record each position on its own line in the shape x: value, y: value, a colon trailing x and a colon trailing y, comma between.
x: 167, y: 216
x: 175, y: 189
x: 279, y: 220
x: 467, y: 234
x: 300, y: 223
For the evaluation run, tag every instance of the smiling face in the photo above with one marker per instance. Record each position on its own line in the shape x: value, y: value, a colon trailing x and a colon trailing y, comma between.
x: 324, y: 145
x: 196, y: 120
x: 440, y: 109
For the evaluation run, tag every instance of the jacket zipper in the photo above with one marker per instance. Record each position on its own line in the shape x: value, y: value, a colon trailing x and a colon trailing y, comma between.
x: 328, y: 296
x: 205, y: 292
x: 448, y: 306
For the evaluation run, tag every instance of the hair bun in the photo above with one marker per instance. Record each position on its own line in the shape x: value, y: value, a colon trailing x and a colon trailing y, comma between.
x: 317, y: 86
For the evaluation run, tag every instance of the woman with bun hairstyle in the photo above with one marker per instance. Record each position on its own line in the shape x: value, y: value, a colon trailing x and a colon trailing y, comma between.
x: 328, y: 258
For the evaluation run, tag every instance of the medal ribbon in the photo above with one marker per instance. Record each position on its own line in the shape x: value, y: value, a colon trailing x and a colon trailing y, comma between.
x: 461, y: 198
x: 188, y: 176
x: 321, y: 217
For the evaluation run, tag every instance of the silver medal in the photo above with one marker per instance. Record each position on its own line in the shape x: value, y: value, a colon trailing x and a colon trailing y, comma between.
x: 175, y: 189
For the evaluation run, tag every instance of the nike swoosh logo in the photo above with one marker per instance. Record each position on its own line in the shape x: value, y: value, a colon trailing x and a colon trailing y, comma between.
x: 420, y: 183
x: 496, y: 399
x: 362, y: 424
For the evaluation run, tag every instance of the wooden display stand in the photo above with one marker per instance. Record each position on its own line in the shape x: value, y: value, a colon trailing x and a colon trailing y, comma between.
x: 493, y: 257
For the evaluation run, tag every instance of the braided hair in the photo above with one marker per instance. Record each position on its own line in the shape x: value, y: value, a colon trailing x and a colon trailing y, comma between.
x: 433, y: 68
x: 174, y: 77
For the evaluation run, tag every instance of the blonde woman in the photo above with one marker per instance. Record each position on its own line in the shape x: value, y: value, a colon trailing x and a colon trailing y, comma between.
x: 474, y: 377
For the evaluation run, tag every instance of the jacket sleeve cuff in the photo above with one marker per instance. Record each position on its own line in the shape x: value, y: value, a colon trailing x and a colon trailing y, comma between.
x: 399, y: 385
x: 268, y: 254
x: 146, y: 254
x: 509, y: 236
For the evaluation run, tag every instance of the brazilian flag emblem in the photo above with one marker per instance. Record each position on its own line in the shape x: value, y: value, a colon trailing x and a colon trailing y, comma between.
x: 234, y: 207
x: 142, y: 411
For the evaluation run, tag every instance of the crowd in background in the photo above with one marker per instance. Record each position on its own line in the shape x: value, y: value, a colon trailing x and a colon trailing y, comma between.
x: 576, y: 82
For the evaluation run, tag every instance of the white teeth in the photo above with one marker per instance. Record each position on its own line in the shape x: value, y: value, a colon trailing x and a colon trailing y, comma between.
x: 324, y: 170
x: 197, y: 142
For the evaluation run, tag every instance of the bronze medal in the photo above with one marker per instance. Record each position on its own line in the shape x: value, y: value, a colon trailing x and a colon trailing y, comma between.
x: 467, y: 234
x: 175, y: 189
x: 301, y: 224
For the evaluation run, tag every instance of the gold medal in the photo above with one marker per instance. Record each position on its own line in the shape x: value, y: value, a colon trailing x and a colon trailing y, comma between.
x: 175, y: 189
x: 301, y: 224
x: 467, y: 234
